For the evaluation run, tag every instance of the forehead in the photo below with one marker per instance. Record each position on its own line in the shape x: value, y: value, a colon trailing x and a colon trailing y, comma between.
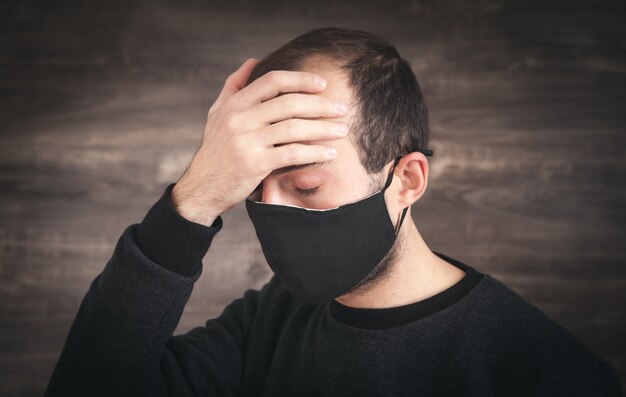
x: 338, y: 89
x: 338, y: 80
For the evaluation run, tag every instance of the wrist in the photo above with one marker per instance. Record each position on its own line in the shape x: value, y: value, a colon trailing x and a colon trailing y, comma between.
x: 186, y: 205
x: 171, y: 240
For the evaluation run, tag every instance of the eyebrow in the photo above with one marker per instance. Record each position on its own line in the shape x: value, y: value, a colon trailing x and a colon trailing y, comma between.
x: 290, y: 168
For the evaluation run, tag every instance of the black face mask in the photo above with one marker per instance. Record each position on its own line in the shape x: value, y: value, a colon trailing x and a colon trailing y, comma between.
x: 321, y: 254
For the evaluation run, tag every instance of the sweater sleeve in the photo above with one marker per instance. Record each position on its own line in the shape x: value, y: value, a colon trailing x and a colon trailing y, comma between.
x: 170, y: 240
x: 121, y: 343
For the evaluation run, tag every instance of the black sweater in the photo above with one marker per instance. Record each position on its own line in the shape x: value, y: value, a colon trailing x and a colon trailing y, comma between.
x: 477, y: 338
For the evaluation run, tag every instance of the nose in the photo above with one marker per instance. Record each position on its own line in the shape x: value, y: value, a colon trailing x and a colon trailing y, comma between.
x: 270, y: 193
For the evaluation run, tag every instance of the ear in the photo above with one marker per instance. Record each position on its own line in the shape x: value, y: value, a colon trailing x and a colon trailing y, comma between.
x: 412, y: 173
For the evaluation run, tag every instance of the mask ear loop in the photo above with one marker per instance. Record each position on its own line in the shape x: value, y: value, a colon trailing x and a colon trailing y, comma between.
x: 387, y: 184
x: 390, y: 176
x: 426, y: 152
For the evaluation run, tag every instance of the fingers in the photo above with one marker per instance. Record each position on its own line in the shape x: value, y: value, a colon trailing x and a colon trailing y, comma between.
x: 297, y: 154
x: 237, y: 80
x: 301, y: 130
x: 277, y: 82
x: 295, y: 105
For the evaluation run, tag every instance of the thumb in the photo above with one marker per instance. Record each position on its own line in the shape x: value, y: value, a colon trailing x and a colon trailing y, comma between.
x: 237, y: 80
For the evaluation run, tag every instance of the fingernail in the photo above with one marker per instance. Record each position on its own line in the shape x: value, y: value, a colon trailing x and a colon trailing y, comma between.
x: 320, y: 82
x: 342, y: 107
x: 342, y: 129
x: 332, y: 151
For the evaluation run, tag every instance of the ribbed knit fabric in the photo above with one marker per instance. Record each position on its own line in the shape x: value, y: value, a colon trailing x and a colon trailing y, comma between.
x: 477, y: 338
x: 172, y: 241
x: 396, y: 316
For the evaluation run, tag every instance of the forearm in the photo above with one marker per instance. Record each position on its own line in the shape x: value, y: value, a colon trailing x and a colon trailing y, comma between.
x: 132, y: 308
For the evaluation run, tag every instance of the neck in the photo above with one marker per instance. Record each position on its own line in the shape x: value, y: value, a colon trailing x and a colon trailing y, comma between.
x: 416, y: 275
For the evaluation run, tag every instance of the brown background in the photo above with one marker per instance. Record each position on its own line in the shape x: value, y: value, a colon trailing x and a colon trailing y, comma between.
x: 103, y: 104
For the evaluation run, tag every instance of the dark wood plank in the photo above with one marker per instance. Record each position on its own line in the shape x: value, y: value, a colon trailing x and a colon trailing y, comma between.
x: 103, y: 104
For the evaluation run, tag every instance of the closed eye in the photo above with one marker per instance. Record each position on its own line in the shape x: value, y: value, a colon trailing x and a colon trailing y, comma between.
x: 307, y: 192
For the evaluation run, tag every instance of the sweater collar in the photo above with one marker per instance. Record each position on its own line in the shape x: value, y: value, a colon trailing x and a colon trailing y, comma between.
x: 400, y: 315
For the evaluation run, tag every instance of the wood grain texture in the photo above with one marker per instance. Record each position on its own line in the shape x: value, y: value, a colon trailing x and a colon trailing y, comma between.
x: 103, y: 104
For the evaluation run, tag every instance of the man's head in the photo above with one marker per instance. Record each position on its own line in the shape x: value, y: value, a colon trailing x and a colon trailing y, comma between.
x: 388, y: 115
x: 387, y: 118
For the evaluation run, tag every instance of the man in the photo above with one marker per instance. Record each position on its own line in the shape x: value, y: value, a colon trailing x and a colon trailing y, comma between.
x: 326, y: 142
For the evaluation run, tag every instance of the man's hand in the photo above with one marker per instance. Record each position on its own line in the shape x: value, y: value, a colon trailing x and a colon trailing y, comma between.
x: 251, y: 131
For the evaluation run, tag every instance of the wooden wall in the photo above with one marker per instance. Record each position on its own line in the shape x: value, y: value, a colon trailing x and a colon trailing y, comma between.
x: 103, y: 104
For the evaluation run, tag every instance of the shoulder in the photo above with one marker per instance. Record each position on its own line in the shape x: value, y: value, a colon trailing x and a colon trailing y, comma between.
x: 527, y: 339
x: 512, y: 315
